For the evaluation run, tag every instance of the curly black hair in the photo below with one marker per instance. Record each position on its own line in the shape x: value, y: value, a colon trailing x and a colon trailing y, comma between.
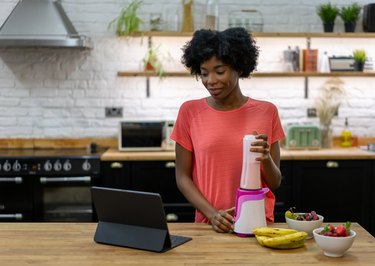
x: 233, y: 46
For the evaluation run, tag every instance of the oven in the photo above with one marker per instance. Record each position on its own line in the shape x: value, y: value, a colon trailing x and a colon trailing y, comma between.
x: 16, y: 194
x: 48, y: 185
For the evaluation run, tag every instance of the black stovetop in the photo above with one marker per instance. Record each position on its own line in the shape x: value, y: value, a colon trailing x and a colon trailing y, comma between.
x: 49, y: 153
x: 49, y: 162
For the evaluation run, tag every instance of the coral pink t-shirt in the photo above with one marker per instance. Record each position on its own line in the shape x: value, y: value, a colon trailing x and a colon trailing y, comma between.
x: 215, y: 139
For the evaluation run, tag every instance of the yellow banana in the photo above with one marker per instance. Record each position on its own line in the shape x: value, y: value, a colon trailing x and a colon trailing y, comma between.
x: 285, y: 240
x: 261, y: 239
x: 292, y: 245
x: 272, y: 231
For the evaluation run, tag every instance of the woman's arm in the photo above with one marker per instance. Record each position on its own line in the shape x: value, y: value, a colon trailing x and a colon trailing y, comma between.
x: 221, y: 220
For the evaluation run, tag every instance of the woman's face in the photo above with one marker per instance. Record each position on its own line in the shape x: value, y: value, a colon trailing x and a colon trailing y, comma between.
x: 220, y: 79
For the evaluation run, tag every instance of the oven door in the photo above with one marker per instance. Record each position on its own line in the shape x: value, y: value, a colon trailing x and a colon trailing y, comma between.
x: 66, y: 199
x: 16, y: 199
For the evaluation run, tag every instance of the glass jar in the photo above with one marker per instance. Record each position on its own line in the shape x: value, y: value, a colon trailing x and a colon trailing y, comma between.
x: 212, y: 14
x: 187, y: 19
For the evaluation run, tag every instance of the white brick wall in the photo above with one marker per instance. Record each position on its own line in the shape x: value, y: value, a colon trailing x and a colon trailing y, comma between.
x: 62, y: 93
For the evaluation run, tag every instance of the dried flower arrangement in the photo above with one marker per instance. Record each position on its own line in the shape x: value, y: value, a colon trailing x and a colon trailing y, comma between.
x: 327, y: 104
x: 329, y: 100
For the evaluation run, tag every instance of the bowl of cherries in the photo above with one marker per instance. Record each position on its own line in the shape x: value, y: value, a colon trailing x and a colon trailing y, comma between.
x: 303, y: 221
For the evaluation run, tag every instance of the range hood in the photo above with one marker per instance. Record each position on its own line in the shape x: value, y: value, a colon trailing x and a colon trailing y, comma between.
x: 40, y: 23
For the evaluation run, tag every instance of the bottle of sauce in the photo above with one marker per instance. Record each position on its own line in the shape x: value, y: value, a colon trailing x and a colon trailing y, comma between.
x: 346, y: 135
x: 212, y: 15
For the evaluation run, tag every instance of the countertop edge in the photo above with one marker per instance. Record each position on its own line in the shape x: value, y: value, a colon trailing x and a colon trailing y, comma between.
x: 352, y: 153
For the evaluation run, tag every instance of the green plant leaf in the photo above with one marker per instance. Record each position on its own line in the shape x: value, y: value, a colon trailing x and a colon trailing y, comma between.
x: 128, y: 20
x: 359, y: 55
x: 327, y: 12
x: 350, y: 13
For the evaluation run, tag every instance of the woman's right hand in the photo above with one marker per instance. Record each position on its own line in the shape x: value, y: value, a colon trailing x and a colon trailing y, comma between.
x: 222, y: 221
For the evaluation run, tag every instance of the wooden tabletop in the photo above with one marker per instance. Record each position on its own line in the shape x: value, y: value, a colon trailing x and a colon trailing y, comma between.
x: 72, y: 244
x: 352, y: 153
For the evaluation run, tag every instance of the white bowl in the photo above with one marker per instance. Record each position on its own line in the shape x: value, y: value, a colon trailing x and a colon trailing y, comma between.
x: 333, y: 246
x: 305, y: 226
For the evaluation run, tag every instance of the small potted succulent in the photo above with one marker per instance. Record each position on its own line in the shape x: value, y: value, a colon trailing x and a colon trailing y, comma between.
x: 328, y: 13
x: 151, y: 61
x: 350, y: 14
x: 128, y: 20
x: 360, y: 57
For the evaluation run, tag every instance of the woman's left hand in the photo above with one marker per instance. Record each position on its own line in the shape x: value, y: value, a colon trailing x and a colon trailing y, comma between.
x: 262, y: 146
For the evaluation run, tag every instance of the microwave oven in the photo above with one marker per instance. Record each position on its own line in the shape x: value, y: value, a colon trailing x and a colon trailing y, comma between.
x: 146, y: 136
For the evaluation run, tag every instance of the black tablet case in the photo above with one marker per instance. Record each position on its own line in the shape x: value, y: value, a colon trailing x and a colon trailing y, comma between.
x: 132, y: 219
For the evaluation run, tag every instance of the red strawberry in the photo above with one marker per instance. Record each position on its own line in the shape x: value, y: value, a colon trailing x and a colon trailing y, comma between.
x: 331, y: 228
x: 341, y: 230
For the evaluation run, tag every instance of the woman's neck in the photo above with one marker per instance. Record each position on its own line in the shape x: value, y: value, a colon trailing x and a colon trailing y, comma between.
x: 228, y: 104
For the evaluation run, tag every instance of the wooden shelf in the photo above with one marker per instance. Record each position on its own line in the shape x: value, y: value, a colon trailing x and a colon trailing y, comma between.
x: 267, y: 34
x: 255, y: 74
x: 150, y: 74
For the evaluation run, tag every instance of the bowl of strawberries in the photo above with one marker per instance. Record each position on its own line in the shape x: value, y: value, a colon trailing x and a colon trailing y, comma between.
x: 334, y: 240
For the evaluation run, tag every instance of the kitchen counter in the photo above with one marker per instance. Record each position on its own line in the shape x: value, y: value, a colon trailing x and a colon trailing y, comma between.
x: 72, y: 244
x: 352, y: 153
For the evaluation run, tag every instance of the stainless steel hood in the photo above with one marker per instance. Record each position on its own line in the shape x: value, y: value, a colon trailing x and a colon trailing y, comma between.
x: 40, y: 23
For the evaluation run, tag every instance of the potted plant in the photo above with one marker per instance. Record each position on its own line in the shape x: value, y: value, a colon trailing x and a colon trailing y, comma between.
x: 360, y: 57
x: 350, y: 14
x: 328, y: 13
x: 128, y: 20
x: 151, y: 61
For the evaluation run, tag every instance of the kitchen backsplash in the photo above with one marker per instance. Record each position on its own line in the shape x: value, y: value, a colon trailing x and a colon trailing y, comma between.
x: 62, y: 93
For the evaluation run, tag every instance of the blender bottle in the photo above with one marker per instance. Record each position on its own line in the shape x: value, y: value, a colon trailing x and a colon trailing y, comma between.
x: 250, y: 177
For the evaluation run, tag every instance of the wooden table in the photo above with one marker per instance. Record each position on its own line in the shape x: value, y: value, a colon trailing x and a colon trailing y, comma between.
x: 72, y: 244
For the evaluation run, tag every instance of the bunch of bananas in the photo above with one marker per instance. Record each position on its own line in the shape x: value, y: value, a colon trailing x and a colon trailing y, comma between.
x: 279, y: 238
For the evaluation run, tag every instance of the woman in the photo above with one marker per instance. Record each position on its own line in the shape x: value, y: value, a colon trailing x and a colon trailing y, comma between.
x: 209, y: 131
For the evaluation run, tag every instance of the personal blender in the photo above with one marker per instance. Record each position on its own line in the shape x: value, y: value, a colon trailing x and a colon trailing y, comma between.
x: 250, y: 208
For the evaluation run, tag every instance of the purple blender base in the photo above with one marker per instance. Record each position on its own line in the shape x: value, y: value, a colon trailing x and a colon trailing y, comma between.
x: 244, y: 235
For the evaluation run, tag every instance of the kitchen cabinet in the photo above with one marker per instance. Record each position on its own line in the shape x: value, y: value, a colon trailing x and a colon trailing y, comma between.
x: 306, y: 75
x: 151, y: 176
x: 159, y: 177
x: 340, y: 190
x: 283, y: 194
x: 115, y: 174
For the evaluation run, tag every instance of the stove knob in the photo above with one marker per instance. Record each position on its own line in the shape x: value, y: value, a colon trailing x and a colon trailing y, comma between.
x: 16, y: 166
x: 57, y: 166
x: 67, y: 166
x: 47, y: 166
x: 7, y: 167
x: 86, y: 166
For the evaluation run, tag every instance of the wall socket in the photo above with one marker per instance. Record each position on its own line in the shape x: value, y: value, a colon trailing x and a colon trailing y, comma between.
x: 113, y: 111
x: 311, y: 112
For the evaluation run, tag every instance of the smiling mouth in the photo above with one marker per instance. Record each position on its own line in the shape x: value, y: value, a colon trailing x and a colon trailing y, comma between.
x: 214, y: 90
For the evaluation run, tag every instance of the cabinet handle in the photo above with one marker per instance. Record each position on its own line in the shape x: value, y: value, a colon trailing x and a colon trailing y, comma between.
x: 170, y: 165
x: 16, y: 216
x: 171, y: 217
x: 45, y: 180
x: 17, y: 180
x: 116, y: 165
x: 332, y: 164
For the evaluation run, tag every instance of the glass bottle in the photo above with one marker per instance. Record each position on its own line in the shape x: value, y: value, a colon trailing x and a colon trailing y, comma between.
x: 187, y: 19
x: 212, y: 14
x: 346, y: 135
x: 324, y: 63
